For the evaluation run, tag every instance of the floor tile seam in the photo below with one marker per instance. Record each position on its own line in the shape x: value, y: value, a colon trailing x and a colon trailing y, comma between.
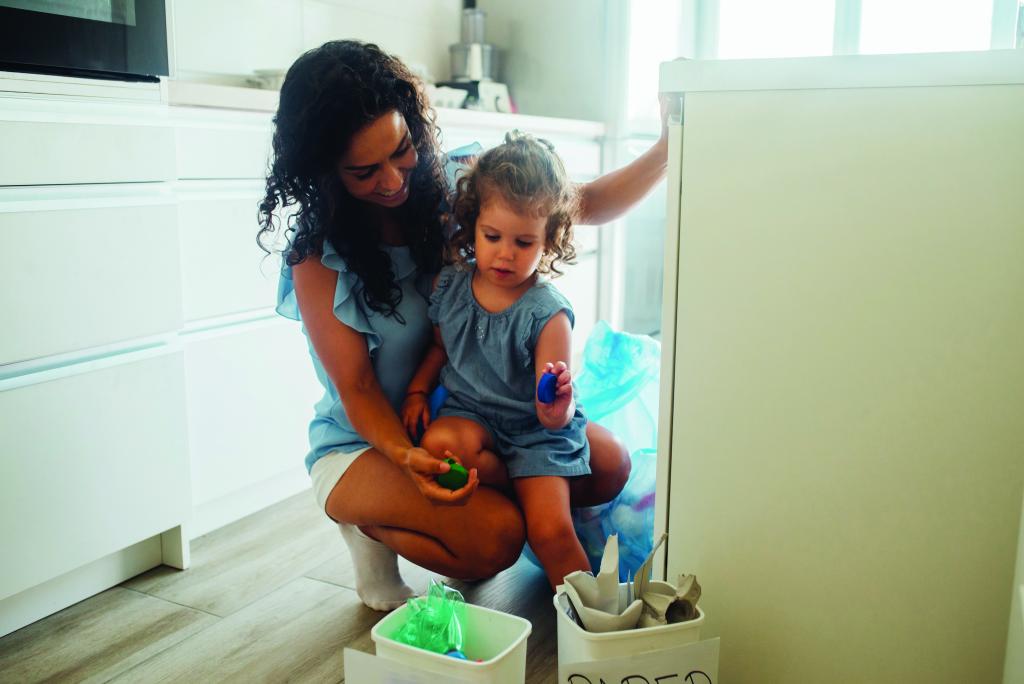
x: 262, y: 595
x: 175, y: 603
x: 158, y: 653
x: 330, y: 583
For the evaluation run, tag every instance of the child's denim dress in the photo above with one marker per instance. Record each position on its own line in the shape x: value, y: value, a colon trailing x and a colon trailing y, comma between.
x: 491, y: 379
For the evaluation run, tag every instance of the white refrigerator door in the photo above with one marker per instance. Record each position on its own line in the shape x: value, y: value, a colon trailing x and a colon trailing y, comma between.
x: 846, y: 443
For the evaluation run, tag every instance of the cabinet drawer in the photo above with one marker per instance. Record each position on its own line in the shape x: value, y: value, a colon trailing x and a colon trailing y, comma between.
x: 92, y: 463
x: 581, y: 288
x: 223, y: 271
x: 86, y: 276
x: 223, y: 152
x: 53, y: 153
x: 250, y: 396
x: 582, y: 158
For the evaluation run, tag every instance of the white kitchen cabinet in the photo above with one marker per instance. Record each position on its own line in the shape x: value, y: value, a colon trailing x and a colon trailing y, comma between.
x: 94, y: 461
x: 87, y: 266
x: 250, y: 384
x: 841, y: 432
x: 92, y: 416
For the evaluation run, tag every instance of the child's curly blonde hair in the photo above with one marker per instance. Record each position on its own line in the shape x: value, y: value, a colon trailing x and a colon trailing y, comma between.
x: 531, y: 178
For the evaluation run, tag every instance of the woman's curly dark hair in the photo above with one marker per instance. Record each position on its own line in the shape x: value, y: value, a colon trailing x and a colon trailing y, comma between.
x: 329, y: 93
x: 531, y: 178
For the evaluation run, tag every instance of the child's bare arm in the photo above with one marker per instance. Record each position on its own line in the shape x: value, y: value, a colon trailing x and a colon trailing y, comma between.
x: 554, y: 349
x: 416, y: 406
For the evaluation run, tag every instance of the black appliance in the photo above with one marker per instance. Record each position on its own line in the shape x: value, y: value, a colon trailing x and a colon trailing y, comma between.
x: 116, y: 39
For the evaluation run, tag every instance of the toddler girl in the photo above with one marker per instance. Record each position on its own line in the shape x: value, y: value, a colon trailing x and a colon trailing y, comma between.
x: 498, y: 327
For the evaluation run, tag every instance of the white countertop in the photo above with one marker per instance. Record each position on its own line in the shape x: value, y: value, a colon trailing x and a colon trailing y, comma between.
x: 194, y: 94
x: 990, y: 67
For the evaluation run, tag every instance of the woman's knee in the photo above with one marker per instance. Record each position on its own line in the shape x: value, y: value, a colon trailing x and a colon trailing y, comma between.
x: 492, y: 539
x: 610, y: 464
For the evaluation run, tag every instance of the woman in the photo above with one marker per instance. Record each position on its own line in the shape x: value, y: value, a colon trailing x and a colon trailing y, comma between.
x: 356, y: 150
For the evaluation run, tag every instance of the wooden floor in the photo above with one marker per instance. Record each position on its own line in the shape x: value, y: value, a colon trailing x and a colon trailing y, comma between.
x: 267, y: 599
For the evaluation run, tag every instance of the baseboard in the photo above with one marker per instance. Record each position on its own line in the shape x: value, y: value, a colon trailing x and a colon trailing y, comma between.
x: 64, y: 590
x: 211, y: 515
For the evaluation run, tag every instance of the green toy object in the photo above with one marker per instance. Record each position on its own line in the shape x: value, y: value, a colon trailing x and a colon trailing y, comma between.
x: 435, y: 621
x: 456, y: 478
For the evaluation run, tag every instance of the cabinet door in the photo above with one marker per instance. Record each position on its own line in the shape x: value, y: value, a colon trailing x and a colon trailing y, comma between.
x: 581, y: 287
x: 223, y: 270
x: 93, y: 462
x: 219, y: 144
x: 64, y: 152
x: 250, y: 396
x: 86, y: 269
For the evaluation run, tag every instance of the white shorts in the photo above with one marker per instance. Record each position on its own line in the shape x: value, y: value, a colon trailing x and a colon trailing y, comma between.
x: 327, y: 471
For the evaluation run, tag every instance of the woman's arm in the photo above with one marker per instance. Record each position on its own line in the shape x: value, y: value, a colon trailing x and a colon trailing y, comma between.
x: 608, y: 197
x: 346, y: 359
x: 554, y: 348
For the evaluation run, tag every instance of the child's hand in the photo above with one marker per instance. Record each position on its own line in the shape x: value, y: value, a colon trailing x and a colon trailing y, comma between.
x: 415, y: 408
x: 557, y: 414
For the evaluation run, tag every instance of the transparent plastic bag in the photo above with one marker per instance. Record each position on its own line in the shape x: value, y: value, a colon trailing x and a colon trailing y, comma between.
x: 435, y: 620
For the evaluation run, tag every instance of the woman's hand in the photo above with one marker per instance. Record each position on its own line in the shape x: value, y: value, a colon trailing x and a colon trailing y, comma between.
x: 424, y: 468
x: 556, y: 415
x: 415, y: 409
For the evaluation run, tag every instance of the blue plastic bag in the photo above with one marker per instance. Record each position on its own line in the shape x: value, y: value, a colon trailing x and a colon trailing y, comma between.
x: 631, y: 515
x: 619, y: 388
x: 618, y: 385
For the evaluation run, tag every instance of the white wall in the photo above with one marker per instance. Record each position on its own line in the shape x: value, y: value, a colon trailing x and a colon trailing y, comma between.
x: 223, y: 42
x: 553, y: 54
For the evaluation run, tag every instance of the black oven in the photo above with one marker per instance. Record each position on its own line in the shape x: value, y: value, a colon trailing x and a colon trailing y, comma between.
x: 122, y: 39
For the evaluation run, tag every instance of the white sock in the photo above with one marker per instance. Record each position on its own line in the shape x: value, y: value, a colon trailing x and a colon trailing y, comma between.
x: 378, y: 582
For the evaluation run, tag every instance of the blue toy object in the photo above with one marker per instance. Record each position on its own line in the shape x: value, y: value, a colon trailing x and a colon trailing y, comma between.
x: 456, y: 654
x: 546, y: 388
x: 436, y: 400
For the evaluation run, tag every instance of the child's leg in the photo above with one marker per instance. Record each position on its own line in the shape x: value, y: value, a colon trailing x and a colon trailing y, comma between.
x: 545, y: 504
x: 471, y: 443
